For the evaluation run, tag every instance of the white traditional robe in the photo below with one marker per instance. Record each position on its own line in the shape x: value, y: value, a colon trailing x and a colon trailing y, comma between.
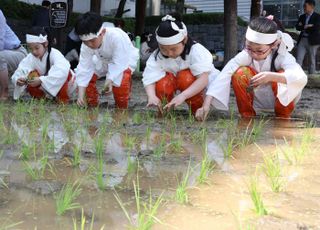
x: 199, y: 61
x: 111, y: 59
x: 52, y: 82
x: 264, y: 98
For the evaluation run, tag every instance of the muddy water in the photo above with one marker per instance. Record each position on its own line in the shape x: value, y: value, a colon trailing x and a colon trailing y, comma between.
x: 133, y: 138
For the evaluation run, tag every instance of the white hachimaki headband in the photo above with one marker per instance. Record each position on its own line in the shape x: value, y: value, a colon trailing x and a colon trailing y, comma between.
x: 36, y: 39
x: 87, y: 37
x: 286, y: 43
x: 175, y: 39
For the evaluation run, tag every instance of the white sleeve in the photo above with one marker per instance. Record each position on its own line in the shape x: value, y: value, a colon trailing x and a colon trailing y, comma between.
x: 295, y: 76
x: 57, y: 74
x: 219, y: 88
x: 85, y: 68
x: 153, y: 71
x: 120, y: 59
x: 24, y: 68
x: 200, y: 60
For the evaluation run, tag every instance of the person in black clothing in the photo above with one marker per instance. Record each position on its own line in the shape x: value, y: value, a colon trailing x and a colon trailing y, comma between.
x: 309, y: 39
x: 41, y: 16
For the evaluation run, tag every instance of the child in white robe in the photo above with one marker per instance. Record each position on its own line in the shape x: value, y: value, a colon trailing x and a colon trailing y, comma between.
x: 105, y: 52
x: 44, y: 73
x: 179, y: 64
x: 265, y: 76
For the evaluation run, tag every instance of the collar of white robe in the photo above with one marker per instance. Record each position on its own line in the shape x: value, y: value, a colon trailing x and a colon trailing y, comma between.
x: 175, y: 39
x: 87, y: 37
x: 36, y: 39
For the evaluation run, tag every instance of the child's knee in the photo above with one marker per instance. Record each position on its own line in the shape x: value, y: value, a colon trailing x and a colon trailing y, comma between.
x: 184, y: 79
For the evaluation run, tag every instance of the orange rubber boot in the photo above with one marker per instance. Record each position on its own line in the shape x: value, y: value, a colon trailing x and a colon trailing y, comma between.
x: 122, y: 93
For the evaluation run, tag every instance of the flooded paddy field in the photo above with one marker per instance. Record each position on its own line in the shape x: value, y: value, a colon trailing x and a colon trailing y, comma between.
x: 62, y: 166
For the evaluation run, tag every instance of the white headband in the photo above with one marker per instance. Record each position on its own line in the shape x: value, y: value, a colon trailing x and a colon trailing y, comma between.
x: 260, y: 38
x: 36, y: 39
x: 87, y: 37
x: 286, y: 43
x: 182, y: 33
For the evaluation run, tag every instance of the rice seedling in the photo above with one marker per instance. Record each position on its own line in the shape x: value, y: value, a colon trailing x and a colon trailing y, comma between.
x: 176, y: 144
x: 83, y: 222
x: 229, y: 147
x: 149, y: 117
x: 200, y: 136
x: 27, y: 151
x: 38, y: 171
x: 251, y: 134
x: 130, y: 141
x: 65, y: 199
x: 131, y: 165
x: 191, y: 118
x: 6, y: 224
x: 137, y: 118
x: 146, y: 210
x: 205, y: 169
x: 9, y: 135
x: 148, y: 134
x: 272, y: 169
x: 99, y: 145
x: 161, y: 149
x: 256, y: 197
x: 100, y: 175
x: 181, y: 191
x: 76, y: 155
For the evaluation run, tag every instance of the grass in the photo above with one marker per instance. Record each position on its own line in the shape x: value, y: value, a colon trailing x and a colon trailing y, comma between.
x: 65, y: 199
x: 99, y: 145
x: 256, y: 197
x: 83, y: 222
x: 38, y: 172
x: 229, y: 147
x: 148, y: 134
x: 137, y: 118
x: 131, y: 165
x: 176, y: 144
x: 295, y: 152
x: 251, y: 134
x: 181, y: 191
x: 130, y: 141
x: 205, y: 169
x: 27, y: 151
x: 146, y: 210
x: 76, y: 155
x: 100, y: 176
x: 272, y: 169
x: 161, y: 149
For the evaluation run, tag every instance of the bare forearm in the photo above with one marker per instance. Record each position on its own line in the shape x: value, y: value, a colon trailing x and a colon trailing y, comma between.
x: 197, y: 86
x: 151, y: 90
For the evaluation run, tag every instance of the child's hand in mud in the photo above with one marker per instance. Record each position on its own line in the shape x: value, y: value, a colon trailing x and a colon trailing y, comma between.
x: 107, y: 88
x: 154, y: 101
x: 202, y: 113
x: 35, y: 82
x: 21, y: 81
x: 175, y: 102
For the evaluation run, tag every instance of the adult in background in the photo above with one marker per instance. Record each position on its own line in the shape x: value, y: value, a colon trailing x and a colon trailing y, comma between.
x: 11, y: 53
x: 41, y: 16
x: 309, y: 39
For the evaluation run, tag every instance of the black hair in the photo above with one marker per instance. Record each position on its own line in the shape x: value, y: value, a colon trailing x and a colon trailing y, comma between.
x: 165, y: 30
x: 88, y: 23
x: 263, y: 25
x: 37, y: 31
x: 310, y: 2
x: 45, y: 3
x: 266, y: 26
